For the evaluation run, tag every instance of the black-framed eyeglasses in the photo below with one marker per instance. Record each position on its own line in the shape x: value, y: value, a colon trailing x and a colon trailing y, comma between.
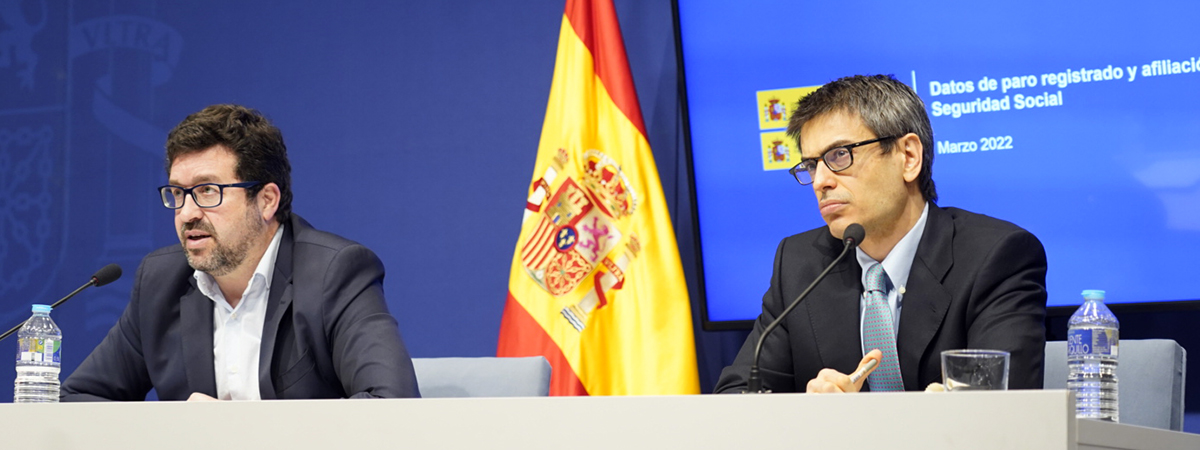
x: 836, y: 159
x: 206, y: 195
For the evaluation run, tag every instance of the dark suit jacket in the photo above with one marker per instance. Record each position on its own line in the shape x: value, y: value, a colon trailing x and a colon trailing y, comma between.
x: 327, y: 331
x: 976, y: 282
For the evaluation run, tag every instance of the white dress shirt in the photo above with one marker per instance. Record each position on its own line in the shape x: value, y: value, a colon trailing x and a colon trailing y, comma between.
x: 897, y: 264
x: 237, y: 332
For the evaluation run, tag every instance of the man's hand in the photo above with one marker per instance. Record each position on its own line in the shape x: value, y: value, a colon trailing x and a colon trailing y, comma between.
x: 832, y: 381
x: 198, y: 397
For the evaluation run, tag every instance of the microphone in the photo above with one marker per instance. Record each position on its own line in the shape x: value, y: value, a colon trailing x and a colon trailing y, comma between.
x: 853, y: 236
x: 105, y: 275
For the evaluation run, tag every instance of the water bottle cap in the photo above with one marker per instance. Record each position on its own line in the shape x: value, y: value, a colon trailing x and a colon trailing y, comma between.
x: 41, y: 309
x: 1093, y: 294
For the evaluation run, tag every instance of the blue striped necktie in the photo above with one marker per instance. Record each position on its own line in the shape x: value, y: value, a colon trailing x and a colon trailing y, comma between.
x: 878, y: 333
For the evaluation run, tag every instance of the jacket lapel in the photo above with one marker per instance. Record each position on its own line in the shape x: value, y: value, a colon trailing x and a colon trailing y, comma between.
x: 196, y: 319
x: 926, y: 301
x: 278, y: 300
x: 832, y: 309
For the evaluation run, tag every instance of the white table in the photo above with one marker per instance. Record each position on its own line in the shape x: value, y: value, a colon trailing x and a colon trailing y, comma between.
x: 979, y: 420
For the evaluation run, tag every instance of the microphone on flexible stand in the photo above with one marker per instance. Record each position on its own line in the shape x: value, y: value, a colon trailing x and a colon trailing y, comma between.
x: 853, y: 236
x: 105, y: 275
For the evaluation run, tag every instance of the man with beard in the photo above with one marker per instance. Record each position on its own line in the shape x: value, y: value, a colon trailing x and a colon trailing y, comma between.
x: 255, y: 303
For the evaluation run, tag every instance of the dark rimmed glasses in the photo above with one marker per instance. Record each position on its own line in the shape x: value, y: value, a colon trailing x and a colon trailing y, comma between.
x: 836, y: 159
x: 206, y: 195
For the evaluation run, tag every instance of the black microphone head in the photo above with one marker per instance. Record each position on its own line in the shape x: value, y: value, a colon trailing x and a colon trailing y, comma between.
x: 854, y: 234
x: 106, y: 274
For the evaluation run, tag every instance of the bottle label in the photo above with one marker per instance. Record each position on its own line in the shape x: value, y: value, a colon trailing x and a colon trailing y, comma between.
x: 39, y: 350
x: 1092, y: 342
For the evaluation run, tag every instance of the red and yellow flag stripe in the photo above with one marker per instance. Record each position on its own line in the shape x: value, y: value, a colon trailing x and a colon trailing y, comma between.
x: 596, y: 285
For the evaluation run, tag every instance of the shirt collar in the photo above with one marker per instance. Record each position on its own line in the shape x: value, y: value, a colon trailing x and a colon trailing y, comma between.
x: 263, y: 274
x: 898, y: 263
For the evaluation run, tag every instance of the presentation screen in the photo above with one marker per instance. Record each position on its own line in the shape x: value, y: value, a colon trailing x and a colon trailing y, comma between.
x: 1079, y: 123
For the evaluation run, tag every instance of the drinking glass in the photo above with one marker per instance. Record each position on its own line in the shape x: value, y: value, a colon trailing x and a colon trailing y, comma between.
x: 975, y: 370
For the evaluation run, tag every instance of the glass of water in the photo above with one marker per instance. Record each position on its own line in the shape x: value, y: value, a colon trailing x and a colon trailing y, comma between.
x: 975, y: 370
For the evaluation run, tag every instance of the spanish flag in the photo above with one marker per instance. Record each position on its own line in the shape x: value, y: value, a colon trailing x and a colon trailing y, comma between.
x: 596, y: 285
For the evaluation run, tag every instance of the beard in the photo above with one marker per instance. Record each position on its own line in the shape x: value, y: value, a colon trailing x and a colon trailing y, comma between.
x: 224, y: 257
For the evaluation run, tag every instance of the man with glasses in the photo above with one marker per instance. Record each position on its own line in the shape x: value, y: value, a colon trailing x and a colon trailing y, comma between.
x: 923, y: 280
x: 255, y: 303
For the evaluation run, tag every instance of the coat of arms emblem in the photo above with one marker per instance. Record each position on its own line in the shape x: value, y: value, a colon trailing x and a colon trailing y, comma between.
x: 578, y: 229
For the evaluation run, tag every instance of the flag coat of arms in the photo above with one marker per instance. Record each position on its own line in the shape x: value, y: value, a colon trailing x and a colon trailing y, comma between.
x: 596, y: 285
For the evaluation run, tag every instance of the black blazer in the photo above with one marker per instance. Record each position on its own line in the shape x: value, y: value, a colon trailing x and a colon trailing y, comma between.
x: 976, y: 282
x: 327, y: 332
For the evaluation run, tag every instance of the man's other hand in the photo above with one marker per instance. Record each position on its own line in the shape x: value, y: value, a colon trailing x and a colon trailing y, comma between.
x: 198, y: 397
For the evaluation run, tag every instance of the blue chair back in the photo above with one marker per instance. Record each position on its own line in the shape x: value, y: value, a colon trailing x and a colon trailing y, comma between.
x: 483, y: 377
x: 1150, y: 374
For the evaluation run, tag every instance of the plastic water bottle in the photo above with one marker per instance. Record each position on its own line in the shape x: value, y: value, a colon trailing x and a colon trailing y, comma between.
x: 1092, y: 342
x: 39, y: 359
